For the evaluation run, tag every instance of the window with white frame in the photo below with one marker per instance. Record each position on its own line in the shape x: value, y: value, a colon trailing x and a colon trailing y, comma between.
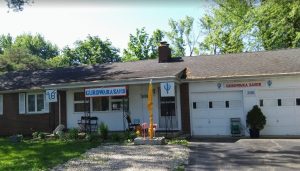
x: 35, y: 102
x: 81, y: 103
x: 118, y: 103
x: 99, y: 104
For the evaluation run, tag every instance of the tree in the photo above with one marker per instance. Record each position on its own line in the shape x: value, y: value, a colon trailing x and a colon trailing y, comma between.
x: 182, y: 36
x: 17, y: 5
x: 20, y: 59
x: 37, y: 45
x: 59, y: 61
x: 6, y: 42
x: 226, y: 27
x: 278, y: 24
x: 251, y: 25
x: 142, y: 46
x: 92, y: 50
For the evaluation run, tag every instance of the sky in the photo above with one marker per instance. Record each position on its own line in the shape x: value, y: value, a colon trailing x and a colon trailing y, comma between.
x: 65, y: 21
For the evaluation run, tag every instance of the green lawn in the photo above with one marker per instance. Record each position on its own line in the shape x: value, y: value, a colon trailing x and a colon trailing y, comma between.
x: 39, y: 155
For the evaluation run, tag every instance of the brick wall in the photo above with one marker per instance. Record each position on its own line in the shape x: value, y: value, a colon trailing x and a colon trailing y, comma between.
x: 11, y: 122
x: 185, y: 108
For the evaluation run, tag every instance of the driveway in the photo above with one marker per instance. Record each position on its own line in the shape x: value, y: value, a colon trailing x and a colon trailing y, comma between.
x: 245, y: 154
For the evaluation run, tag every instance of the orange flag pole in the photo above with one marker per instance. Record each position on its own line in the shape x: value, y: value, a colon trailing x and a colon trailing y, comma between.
x: 150, y: 109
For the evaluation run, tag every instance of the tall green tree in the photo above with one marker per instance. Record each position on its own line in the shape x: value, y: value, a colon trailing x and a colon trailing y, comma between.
x: 278, y: 23
x: 6, y: 42
x: 37, y: 45
x: 182, y: 36
x: 20, y: 59
x: 142, y: 46
x: 251, y: 25
x: 92, y: 50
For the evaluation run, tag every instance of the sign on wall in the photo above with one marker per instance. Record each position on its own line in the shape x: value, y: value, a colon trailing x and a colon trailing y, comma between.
x: 51, y: 95
x: 167, y: 89
x: 105, y: 91
x: 243, y: 84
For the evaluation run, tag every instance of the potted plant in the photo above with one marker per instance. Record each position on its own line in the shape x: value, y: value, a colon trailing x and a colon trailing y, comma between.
x: 256, y: 121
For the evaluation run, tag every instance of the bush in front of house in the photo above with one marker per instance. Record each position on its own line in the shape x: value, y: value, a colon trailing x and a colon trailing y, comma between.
x: 103, y: 130
x: 35, y: 135
x: 92, y: 137
x: 256, y: 121
x: 73, y: 134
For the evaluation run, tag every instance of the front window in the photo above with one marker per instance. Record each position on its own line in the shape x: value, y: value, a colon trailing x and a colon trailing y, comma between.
x: 100, y: 103
x: 35, y: 103
x: 81, y: 104
x: 119, y: 102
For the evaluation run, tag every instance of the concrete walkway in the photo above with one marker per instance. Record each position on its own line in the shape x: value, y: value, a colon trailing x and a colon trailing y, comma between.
x: 245, y: 154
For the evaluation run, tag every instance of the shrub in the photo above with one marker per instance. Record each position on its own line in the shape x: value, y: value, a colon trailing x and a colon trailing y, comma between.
x: 103, y: 130
x: 60, y: 134
x: 116, y: 137
x: 73, y: 134
x: 256, y: 119
x: 92, y: 137
x: 129, y: 135
x: 35, y: 135
x: 178, y: 141
x: 42, y: 136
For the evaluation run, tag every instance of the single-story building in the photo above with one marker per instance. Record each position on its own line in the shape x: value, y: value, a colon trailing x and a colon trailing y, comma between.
x: 208, y: 91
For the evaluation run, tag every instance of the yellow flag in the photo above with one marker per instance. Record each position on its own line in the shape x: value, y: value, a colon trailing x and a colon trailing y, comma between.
x: 150, y: 109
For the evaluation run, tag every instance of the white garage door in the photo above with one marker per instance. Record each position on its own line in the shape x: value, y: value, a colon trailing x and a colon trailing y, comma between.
x: 282, y: 110
x: 211, y: 112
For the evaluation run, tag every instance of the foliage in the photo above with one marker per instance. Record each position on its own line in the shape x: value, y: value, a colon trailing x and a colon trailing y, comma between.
x: 17, y: 5
x: 6, y: 42
x: 20, y: 59
x: 138, y: 133
x: 73, y: 134
x: 92, y: 50
x: 116, y: 137
x: 251, y: 25
x: 40, y: 155
x: 256, y: 119
x: 35, y: 135
x: 142, y: 46
x: 60, y: 135
x: 128, y: 135
x: 178, y: 142
x: 37, y: 45
x: 58, y: 61
x: 42, y: 135
x: 182, y: 35
x: 92, y: 137
x: 103, y: 130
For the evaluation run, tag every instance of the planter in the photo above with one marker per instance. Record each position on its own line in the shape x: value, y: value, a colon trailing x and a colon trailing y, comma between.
x: 254, y: 133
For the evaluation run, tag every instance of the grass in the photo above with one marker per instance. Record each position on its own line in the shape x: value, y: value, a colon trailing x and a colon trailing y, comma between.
x: 40, y: 155
x: 178, y: 142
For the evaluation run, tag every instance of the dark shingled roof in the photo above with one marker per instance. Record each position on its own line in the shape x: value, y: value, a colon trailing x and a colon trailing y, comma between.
x: 244, y: 64
x: 114, y: 71
x: 199, y: 67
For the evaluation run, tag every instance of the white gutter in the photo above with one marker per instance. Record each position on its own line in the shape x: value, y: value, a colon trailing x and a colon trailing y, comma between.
x: 111, y: 82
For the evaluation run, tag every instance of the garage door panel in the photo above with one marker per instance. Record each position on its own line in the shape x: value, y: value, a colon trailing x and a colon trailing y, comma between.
x: 284, y: 118
x: 214, y: 119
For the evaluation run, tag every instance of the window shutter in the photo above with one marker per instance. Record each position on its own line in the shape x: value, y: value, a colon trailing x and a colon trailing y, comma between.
x: 1, y: 104
x: 22, y: 103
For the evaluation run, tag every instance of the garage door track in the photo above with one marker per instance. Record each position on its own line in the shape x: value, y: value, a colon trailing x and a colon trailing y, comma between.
x: 245, y: 154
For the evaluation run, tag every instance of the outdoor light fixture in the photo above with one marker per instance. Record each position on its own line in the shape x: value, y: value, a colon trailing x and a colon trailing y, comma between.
x: 269, y: 82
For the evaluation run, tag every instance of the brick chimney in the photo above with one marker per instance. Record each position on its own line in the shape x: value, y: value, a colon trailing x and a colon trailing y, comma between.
x: 164, y: 52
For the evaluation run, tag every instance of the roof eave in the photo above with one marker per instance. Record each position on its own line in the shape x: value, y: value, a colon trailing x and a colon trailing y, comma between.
x: 234, y: 77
